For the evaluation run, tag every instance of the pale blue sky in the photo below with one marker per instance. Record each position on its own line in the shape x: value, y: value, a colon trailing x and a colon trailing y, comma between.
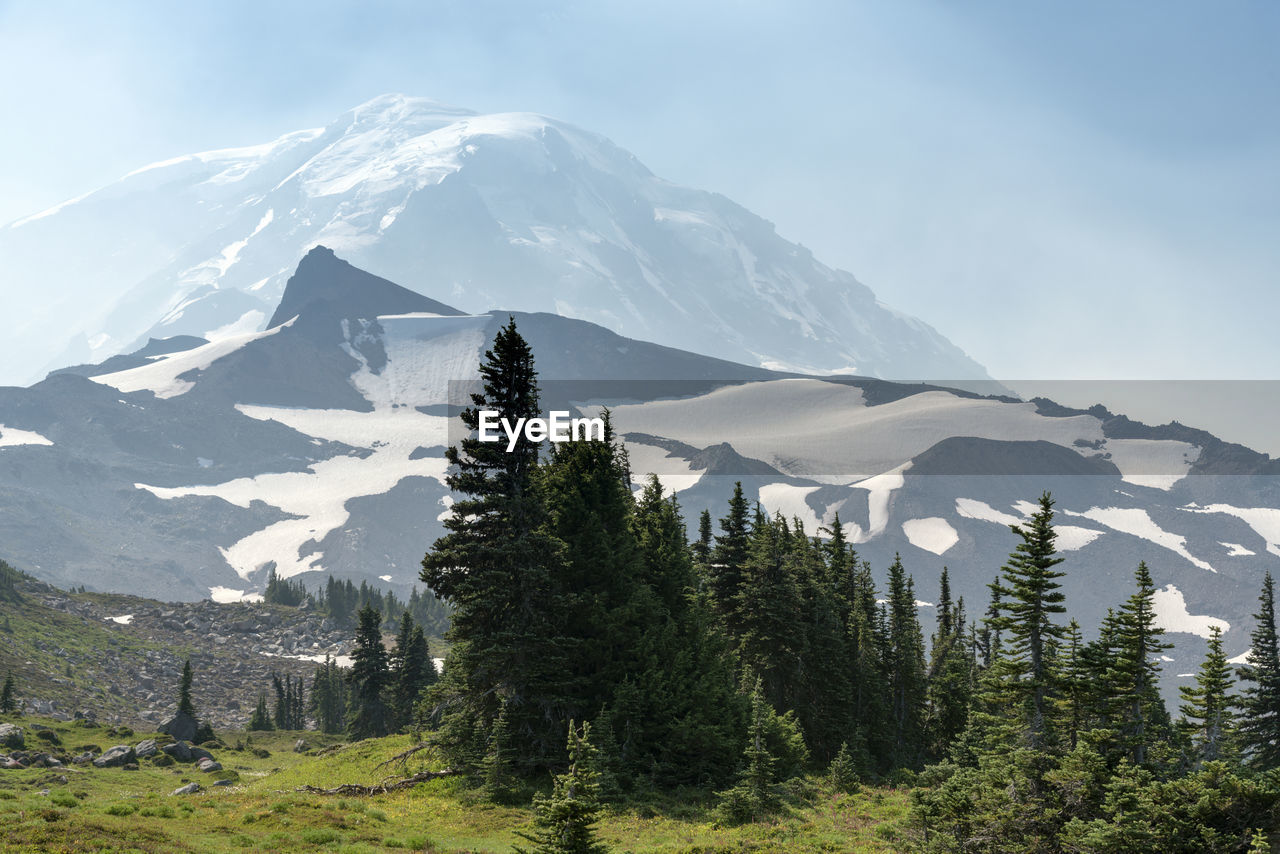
x: 1089, y: 192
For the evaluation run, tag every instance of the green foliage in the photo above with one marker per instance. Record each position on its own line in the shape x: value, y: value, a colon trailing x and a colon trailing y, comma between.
x: 9, y: 695
x: 843, y: 771
x: 370, y: 674
x: 1207, y: 706
x: 290, y: 707
x: 328, y: 703
x: 282, y: 591
x: 564, y: 822
x: 261, y: 718
x: 1260, y: 700
x: 755, y: 795
x: 185, y: 705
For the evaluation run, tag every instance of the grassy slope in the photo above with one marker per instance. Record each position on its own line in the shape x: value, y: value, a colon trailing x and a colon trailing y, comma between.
x: 115, y: 810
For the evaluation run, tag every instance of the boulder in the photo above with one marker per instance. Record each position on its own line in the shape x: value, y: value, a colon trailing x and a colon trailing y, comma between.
x: 179, y: 750
x: 121, y: 754
x: 146, y: 748
x: 208, y: 766
x: 12, y: 737
x: 222, y: 782
x: 301, y: 746
x: 84, y: 758
x: 189, y: 789
x: 8, y: 763
x: 181, y: 727
x: 198, y: 753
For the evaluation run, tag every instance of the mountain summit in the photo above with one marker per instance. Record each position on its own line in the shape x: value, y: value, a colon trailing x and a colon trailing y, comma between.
x: 510, y: 209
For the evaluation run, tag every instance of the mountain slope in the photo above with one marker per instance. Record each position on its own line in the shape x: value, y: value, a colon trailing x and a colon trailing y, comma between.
x: 317, y: 446
x: 513, y: 210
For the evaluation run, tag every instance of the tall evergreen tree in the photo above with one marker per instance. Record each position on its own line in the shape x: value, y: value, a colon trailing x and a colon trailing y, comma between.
x: 1207, y: 707
x: 729, y: 559
x: 755, y: 795
x: 8, y: 695
x: 1030, y: 598
x: 1132, y: 677
x: 766, y: 629
x: 906, y: 669
x: 329, y: 697
x: 950, y: 677
x: 412, y: 670
x: 185, y: 704
x: 702, y: 546
x: 370, y: 674
x: 495, y: 566
x: 1260, y: 701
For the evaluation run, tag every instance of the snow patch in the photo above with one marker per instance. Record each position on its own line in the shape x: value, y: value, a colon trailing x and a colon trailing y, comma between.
x: 1242, y: 658
x: 675, y: 474
x: 1070, y: 537
x: 385, y: 577
x: 227, y: 595
x: 1265, y: 521
x: 248, y: 322
x: 123, y: 619
x: 1236, y: 550
x: 1137, y: 522
x: 1154, y: 463
x: 1170, y: 609
x: 160, y: 377
x: 933, y: 534
x: 11, y: 437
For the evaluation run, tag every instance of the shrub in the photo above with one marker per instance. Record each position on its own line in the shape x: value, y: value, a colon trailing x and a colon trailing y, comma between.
x: 121, y: 809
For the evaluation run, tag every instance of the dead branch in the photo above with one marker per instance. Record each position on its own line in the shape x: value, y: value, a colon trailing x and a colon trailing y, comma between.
x: 390, y: 784
x: 402, y: 757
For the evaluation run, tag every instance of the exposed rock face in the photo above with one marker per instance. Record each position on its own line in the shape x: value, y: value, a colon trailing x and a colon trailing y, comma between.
x: 121, y: 754
x: 179, y: 750
x: 181, y: 726
x: 12, y: 736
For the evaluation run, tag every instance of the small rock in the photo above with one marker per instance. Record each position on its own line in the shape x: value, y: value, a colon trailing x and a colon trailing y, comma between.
x: 301, y: 746
x: 146, y: 748
x: 189, y: 789
x: 208, y: 766
x: 222, y: 783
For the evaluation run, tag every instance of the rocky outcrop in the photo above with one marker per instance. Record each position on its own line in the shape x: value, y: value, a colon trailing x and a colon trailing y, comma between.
x: 12, y: 736
x: 181, y: 726
x: 115, y: 757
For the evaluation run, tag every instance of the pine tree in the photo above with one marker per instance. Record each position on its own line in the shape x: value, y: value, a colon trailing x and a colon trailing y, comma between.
x: 754, y: 796
x: 369, y: 676
x: 412, y: 670
x: 8, y: 695
x: 951, y: 674
x: 564, y: 822
x: 843, y: 771
x: 329, y: 697
x: 702, y: 545
x: 1260, y: 701
x: 496, y: 565
x: 261, y: 719
x: 1131, y: 680
x: 906, y: 669
x: 728, y: 560
x: 767, y: 628
x: 185, y: 704
x: 1207, y: 707
x: 1029, y: 599
x: 498, y: 776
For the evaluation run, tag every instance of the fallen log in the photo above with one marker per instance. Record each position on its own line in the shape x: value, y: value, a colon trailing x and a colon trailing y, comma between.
x: 388, y: 785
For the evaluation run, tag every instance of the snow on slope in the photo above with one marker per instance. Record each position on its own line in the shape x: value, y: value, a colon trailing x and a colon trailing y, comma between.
x: 933, y: 534
x: 424, y: 353
x: 1070, y: 537
x: 11, y: 437
x: 1156, y: 463
x: 1265, y: 522
x: 161, y: 376
x: 513, y: 209
x: 818, y: 429
x: 1170, y: 608
x: 1137, y: 522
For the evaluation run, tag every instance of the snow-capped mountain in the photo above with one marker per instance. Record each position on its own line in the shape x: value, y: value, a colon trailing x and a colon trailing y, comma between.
x: 315, y: 446
x: 510, y: 209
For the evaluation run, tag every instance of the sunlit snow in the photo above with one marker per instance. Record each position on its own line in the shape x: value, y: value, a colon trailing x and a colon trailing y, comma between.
x: 933, y: 534
x: 12, y: 437
x: 1170, y: 609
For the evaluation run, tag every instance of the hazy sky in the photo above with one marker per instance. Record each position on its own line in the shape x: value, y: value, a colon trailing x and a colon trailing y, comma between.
x: 1089, y: 191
